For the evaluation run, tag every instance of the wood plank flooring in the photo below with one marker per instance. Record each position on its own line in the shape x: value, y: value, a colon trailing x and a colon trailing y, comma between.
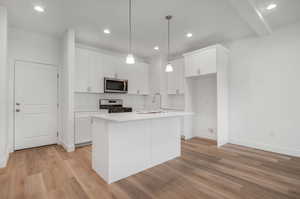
x: 203, y: 171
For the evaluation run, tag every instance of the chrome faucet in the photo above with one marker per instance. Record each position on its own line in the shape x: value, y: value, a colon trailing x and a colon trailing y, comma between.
x: 160, y: 99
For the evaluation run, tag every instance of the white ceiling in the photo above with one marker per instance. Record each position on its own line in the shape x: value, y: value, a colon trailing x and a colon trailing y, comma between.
x: 287, y: 12
x: 210, y: 21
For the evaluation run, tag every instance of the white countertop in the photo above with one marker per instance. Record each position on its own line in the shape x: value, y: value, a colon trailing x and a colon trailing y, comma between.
x: 125, y: 117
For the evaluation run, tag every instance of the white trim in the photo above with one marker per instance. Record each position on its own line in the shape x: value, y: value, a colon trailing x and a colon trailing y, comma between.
x: 205, y: 49
x: 68, y: 148
x: 4, y: 160
x: 266, y: 147
x: 205, y: 136
x: 253, y: 16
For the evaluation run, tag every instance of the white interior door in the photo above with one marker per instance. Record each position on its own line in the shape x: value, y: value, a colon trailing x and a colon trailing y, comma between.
x: 35, y: 105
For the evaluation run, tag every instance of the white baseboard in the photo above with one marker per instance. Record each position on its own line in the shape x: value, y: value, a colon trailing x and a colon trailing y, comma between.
x: 4, y: 160
x: 188, y: 137
x: 205, y: 136
x: 68, y: 148
x: 266, y: 147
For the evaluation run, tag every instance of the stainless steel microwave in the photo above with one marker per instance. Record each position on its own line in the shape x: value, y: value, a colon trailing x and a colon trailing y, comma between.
x: 112, y: 85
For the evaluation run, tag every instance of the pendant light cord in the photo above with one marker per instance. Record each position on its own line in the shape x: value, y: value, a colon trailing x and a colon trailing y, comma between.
x: 130, y: 28
x: 168, y: 39
x: 169, y: 17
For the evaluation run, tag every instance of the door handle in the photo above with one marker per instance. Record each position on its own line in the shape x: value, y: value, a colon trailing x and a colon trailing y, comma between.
x: 18, y: 110
x: 18, y: 104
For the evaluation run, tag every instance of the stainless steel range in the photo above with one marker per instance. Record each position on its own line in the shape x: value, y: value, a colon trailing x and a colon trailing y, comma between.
x: 113, y: 106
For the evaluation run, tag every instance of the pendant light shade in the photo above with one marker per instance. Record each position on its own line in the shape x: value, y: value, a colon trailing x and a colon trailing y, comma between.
x: 169, y: 67
x: 130, y: 58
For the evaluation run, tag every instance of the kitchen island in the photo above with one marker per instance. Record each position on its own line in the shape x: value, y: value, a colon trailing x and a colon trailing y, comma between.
x: 127, y: 143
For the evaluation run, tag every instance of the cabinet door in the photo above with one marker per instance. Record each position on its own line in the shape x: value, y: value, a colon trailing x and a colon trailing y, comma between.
x: 122, y: 69
x: 176, y: 78
x: 201, y: 63
x: 207, y: 61
x: 109, y: 66
x: 191, y: 68
x: 82, y: 70
x: 172, y: 80
x: 180, y: 74
x: 133, y: 78
x: 83, y: 131
x: 144, y: 79
x: 96, y: 73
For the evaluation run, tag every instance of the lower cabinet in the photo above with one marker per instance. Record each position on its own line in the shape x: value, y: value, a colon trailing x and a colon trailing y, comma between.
x: 83, y: 132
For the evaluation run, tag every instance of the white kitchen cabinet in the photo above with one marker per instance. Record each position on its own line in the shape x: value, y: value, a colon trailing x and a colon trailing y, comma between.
x: 83, y: 132
x: 176, y: 78
x: 82, y: 70
x: 96, y: 83
x: 138, y: 79
x: 201, y: 62
x: 206, y: 94
x: 109, y: 66
x: 143, y: 79
x: 91, y: 67
x: 88, y: 71
x: 132, y: 78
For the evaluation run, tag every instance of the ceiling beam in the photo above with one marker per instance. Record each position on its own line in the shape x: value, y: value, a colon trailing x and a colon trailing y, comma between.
x: 252, y: 15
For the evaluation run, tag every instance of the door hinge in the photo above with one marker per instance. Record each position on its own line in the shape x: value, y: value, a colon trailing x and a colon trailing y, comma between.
x: 57, y: 134
x: 57, y: 75
x: 57, y: 105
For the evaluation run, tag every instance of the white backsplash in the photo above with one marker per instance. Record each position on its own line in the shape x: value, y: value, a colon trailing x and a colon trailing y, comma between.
x: 176, y: 102
x: 90, y: 102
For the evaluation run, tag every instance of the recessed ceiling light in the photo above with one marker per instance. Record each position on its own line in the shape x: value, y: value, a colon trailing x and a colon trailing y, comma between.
x: 39, y: 8
x: 189, y: 35
x: 271, y: 6
x: 156, y: 48
x: 106, y: 31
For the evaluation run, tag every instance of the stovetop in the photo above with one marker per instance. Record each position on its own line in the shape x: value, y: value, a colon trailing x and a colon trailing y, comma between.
x: 114, y: 106
x: 119, y: 110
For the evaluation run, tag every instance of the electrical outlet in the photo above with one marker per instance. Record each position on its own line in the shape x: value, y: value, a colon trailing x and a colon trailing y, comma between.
x: 211, y: 130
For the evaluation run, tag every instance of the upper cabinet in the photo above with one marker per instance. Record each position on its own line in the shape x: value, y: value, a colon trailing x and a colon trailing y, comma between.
x: 143, y: 79
x: 202, y: 62
x: 91, y: 67
x: 176, y: 78
x: 82, y: 70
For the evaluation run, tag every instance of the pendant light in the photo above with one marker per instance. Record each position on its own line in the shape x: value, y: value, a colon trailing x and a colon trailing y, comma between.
x: 130, y: 58
x: 169, y: 67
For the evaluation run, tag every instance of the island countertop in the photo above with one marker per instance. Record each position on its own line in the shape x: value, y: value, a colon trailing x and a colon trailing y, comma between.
x: 125, y: 117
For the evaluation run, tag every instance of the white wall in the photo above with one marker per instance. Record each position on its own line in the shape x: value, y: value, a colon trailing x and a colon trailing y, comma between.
x: 3, y: 89
x: 28, y: 46
x: 204, y: 106
x: 66, y: 136
x: 264, y: 91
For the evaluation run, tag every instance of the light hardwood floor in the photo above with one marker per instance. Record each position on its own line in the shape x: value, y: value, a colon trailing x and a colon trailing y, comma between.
x: 203, y: 171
